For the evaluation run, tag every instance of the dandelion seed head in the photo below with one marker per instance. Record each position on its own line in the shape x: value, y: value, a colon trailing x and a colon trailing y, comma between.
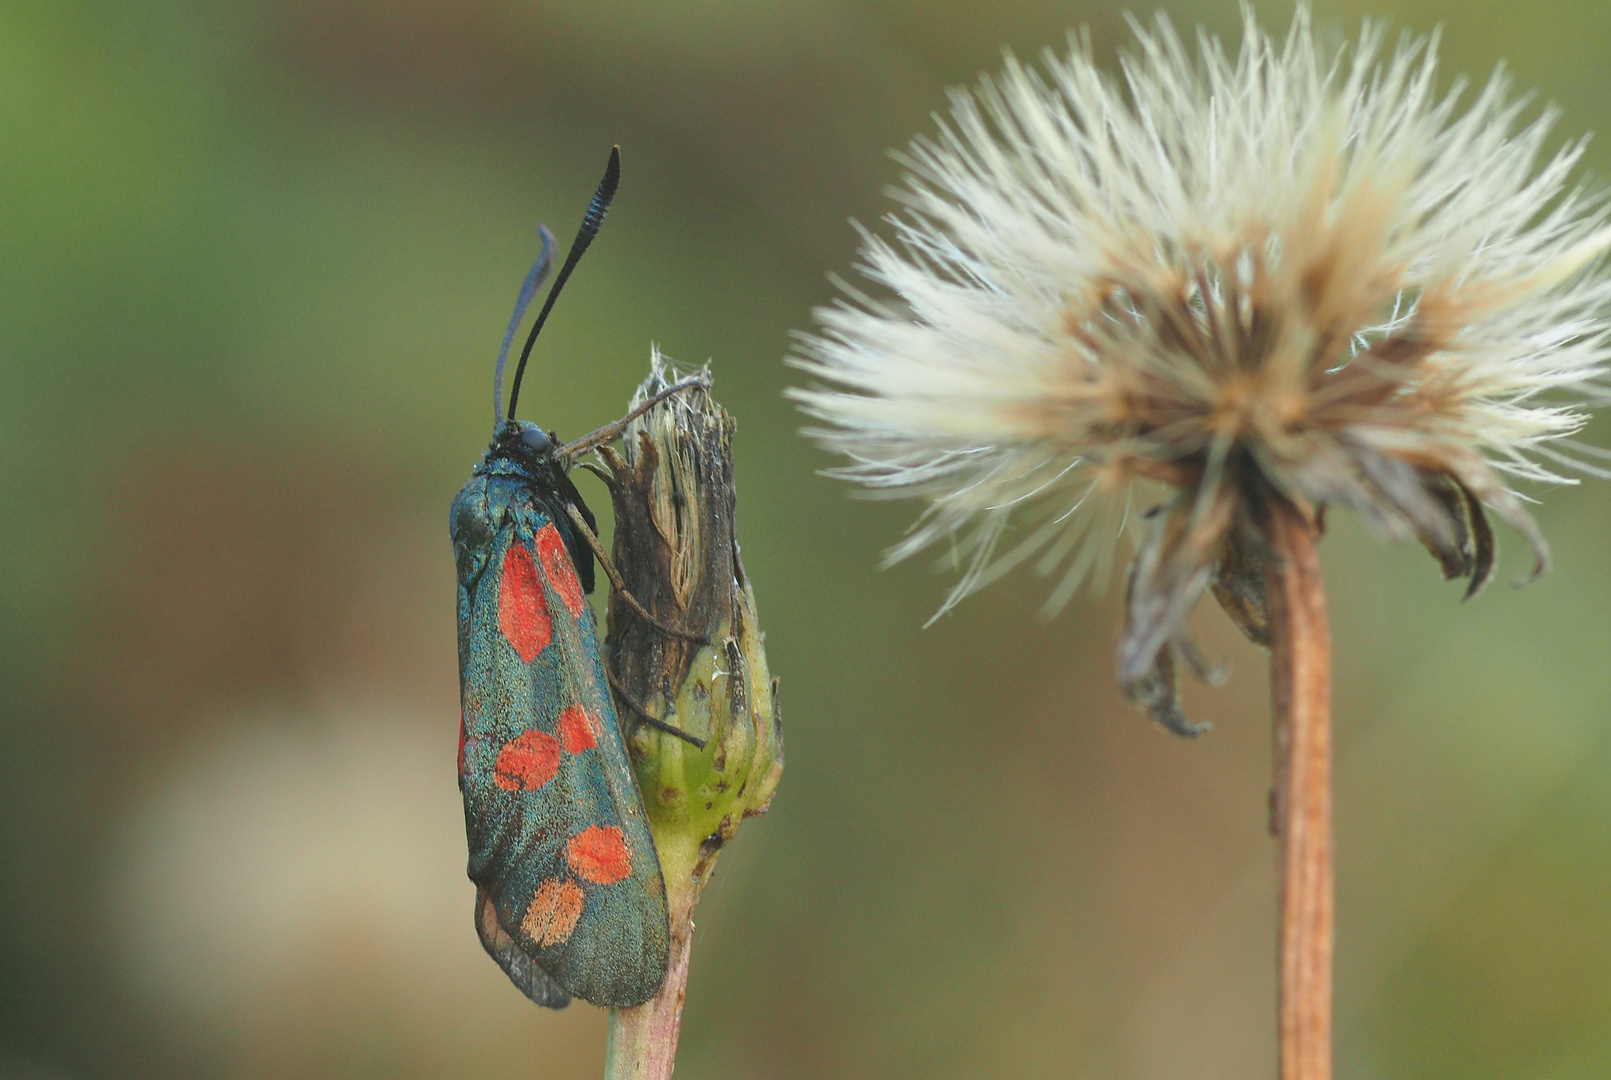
x: 1294, y: 269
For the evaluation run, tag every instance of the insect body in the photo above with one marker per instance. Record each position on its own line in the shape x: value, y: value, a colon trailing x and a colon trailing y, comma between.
x: 569, y: 895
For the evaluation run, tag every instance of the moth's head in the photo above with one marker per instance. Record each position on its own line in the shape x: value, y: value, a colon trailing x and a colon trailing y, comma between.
x: 533, y: 437
x: 523, y: 441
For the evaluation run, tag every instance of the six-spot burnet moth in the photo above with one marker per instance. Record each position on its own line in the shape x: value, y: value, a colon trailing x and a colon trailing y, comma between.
x: 569, y: 895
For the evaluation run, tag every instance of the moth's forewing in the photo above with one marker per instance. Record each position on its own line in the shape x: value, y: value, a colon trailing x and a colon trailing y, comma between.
x: 522, y: 970
x: 559, y: 843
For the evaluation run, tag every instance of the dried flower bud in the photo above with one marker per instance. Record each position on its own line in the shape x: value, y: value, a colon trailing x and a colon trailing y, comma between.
x: 676, y: 551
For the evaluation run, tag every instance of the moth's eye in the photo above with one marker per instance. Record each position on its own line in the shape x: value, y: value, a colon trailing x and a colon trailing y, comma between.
x: 534, y: 437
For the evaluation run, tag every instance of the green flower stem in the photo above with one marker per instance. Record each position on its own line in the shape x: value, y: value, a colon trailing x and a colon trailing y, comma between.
x: 643, y: 1040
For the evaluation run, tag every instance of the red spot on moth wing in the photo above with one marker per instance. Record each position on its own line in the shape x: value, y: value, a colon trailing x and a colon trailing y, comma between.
x: 579, y: 729
x: 599, y: 854
x: 527, y: 761
x: 551, y: 916
x: 522, y: 608
x: 559, y: 568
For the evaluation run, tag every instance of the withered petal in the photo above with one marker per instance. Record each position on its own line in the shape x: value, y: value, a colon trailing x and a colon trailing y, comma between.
x: 1211, y: 672
x: 1457, y: 558
x: 1404, y: 488
x: 1168, y: 575
x: 1158, y: 694
x: 1479, y: 480
x: 1331, y: 475
x: 1238, y: 583
x: 1482, y: 538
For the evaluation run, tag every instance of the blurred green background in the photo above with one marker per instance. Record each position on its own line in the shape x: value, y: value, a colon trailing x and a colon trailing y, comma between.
x: 255, y: 259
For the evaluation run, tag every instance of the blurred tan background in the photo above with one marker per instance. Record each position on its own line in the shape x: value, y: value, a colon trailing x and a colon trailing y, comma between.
x: 255, y: 260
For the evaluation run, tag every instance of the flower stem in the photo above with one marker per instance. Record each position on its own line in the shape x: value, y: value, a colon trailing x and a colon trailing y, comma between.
x: 642, y: 1042
x: 1300, y: 692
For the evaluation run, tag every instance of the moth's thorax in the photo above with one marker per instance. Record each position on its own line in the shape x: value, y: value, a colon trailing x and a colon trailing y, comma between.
x: 519, y: 478
x: 509, y: 469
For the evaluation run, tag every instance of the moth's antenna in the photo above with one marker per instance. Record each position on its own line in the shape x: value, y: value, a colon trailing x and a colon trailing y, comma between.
x: 539, y: 271
x: 584, y: 236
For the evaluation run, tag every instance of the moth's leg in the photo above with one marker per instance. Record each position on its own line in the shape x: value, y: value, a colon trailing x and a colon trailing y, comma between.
x: 609, y: 481
x: 620, y: 585
x: 644, y: 715
x: 611, y: 431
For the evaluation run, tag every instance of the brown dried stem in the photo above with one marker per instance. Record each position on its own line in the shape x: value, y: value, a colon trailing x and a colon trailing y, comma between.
x: 1300, y: 691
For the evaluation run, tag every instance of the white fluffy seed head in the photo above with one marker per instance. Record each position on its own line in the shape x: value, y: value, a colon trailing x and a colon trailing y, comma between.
x: 1306, y: 269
